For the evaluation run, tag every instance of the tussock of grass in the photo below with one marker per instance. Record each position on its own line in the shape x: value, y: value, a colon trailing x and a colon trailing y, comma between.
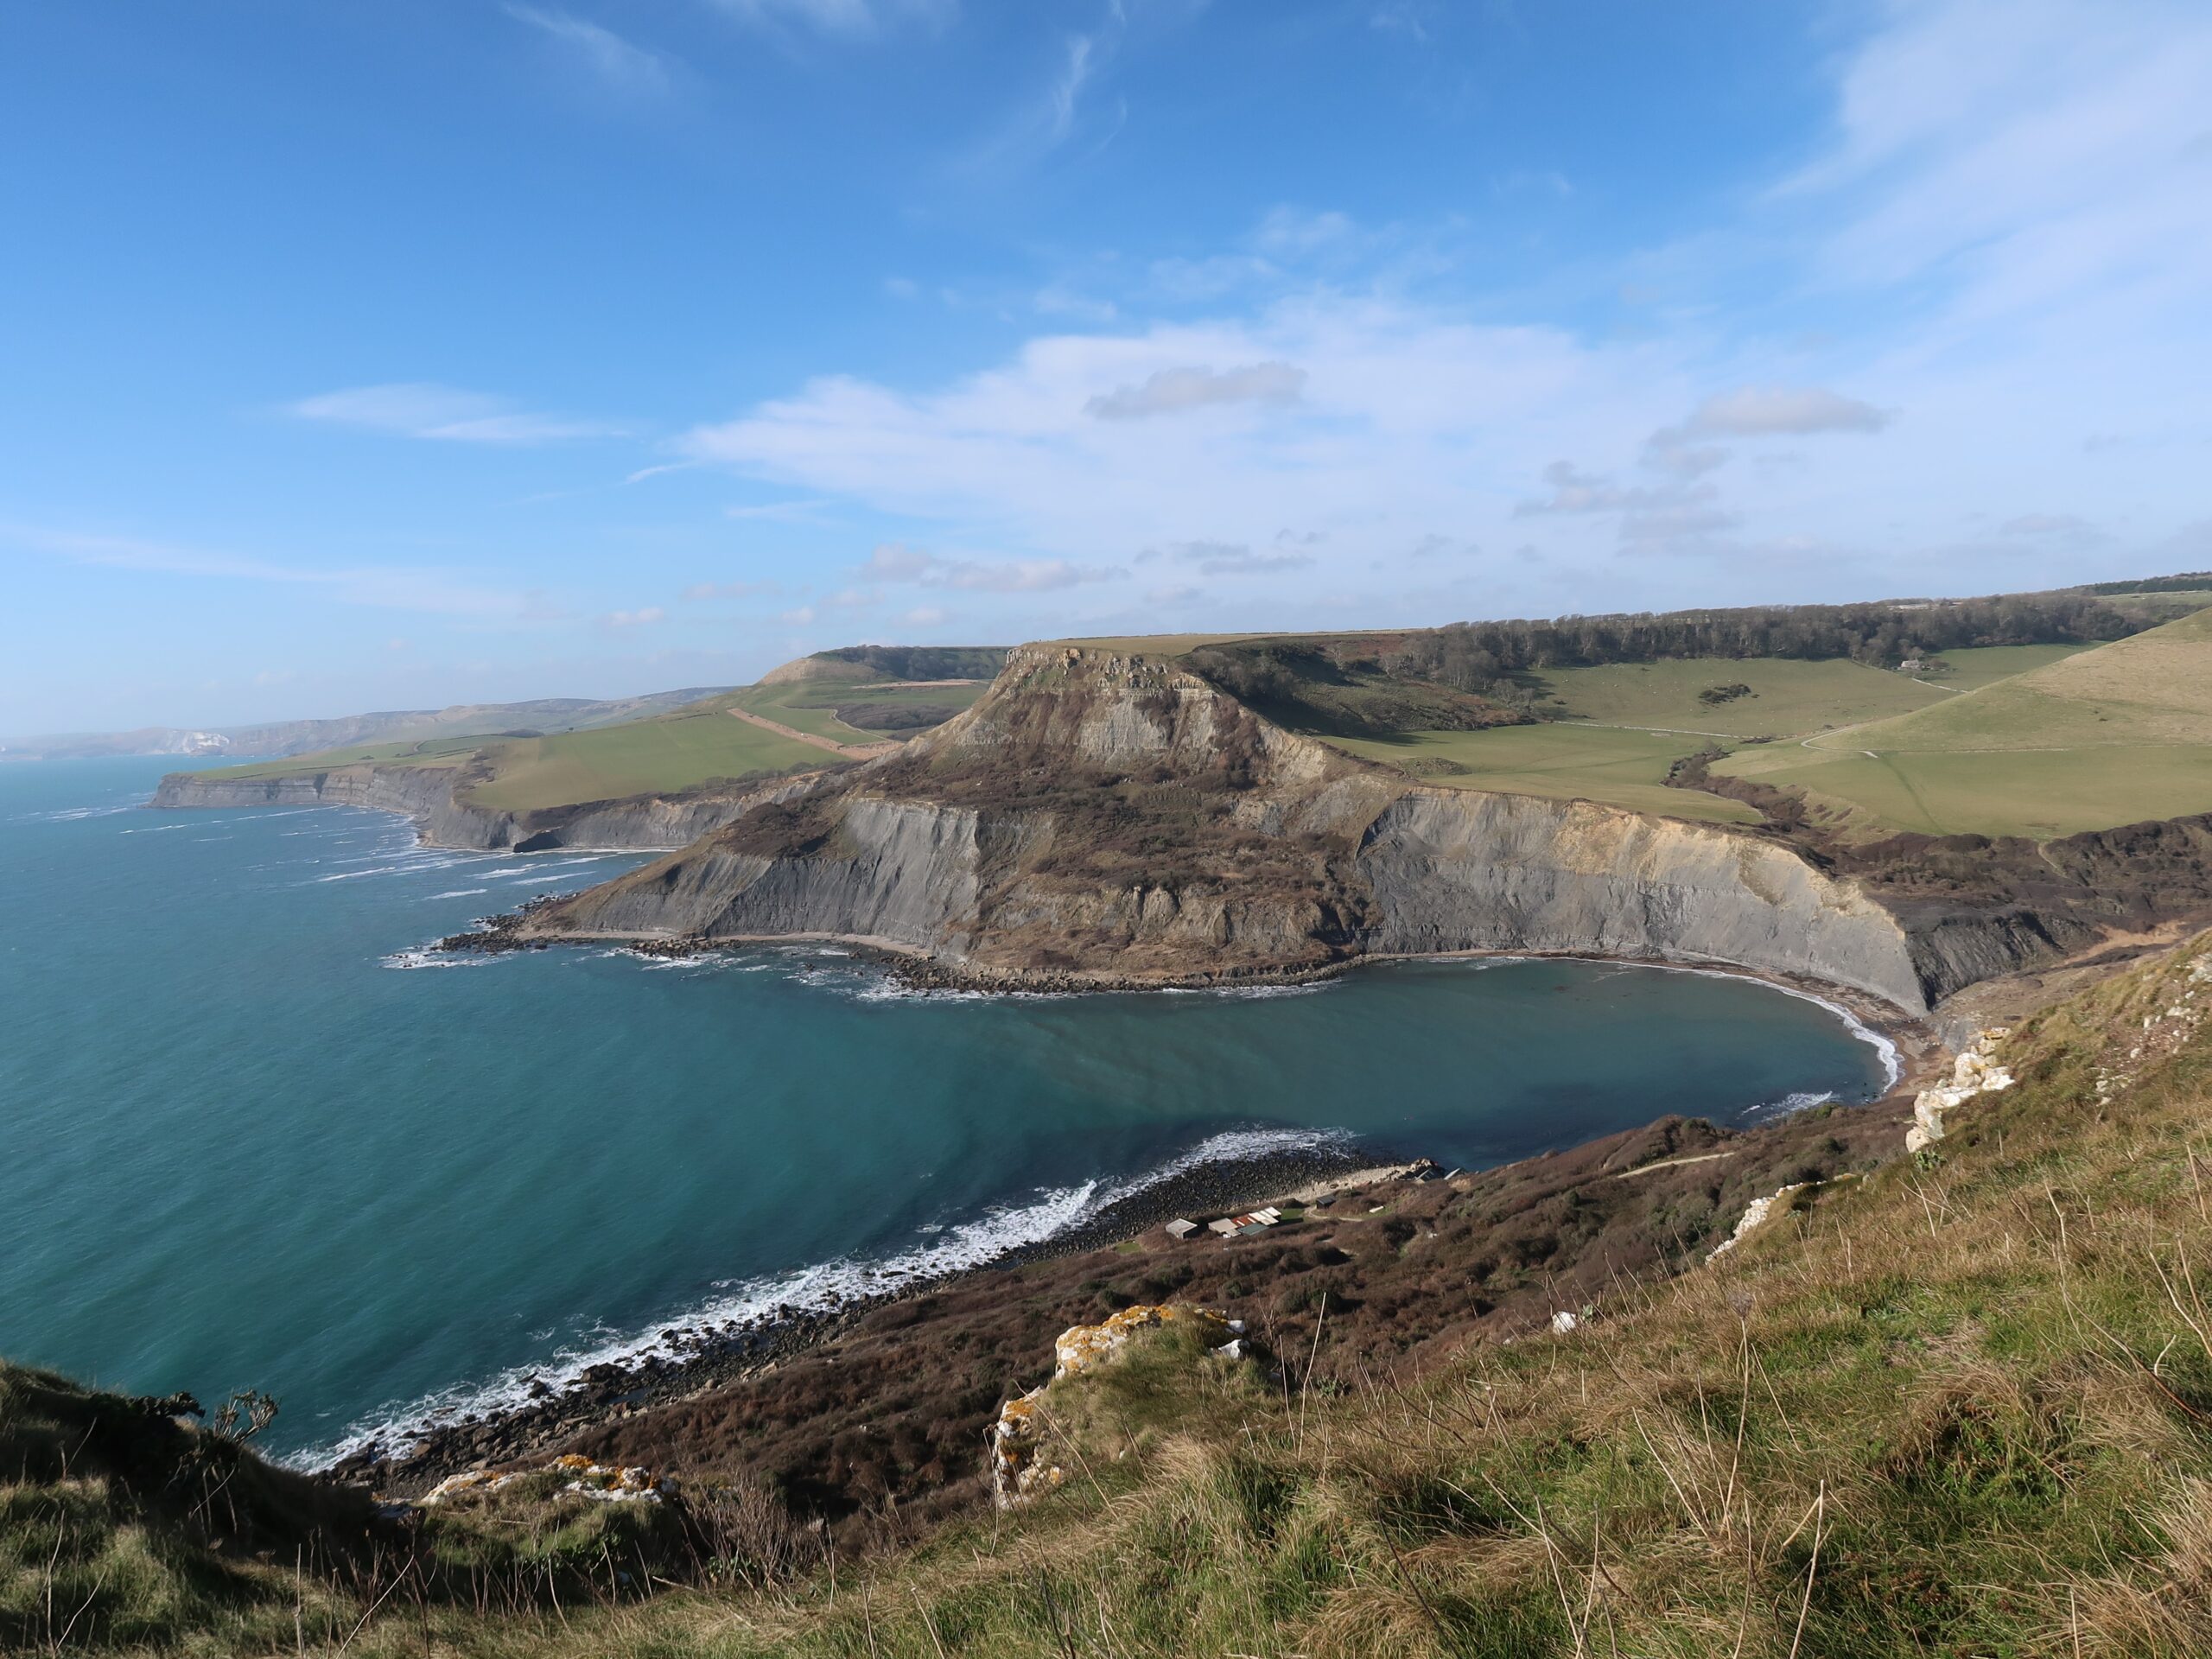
x: 1961, y: 1407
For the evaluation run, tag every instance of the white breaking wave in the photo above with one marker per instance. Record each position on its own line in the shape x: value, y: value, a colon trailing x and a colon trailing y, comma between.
x: 427, y: 958
x: 1803, y: 1101
x: 72, y: 814
x: 817, y: 1289
x: 461, y: 893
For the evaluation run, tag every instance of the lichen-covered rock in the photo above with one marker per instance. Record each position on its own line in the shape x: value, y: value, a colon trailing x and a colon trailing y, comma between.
x: 1086, y: 1347
x: 1018, y: 1441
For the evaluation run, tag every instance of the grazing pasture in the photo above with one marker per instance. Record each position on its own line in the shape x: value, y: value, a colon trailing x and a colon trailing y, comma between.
x: 1558, y: 761
x: 644, y: 757
x: 2098, y: 738
x: 1786, y: 695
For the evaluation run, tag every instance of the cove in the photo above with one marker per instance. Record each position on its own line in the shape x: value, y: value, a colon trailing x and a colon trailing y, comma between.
x: 254, y: 1138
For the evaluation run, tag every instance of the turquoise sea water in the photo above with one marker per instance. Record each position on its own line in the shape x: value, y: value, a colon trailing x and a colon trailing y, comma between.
x: 250, y: 1140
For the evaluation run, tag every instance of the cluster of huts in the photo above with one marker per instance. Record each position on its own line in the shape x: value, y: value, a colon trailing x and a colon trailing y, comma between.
x: 1228, y: 1226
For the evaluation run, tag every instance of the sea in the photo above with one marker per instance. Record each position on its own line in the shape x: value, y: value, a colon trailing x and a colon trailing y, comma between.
x: 252, y: 1135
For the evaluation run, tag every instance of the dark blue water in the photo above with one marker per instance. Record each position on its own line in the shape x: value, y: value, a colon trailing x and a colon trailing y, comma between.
x: 249, y: 1141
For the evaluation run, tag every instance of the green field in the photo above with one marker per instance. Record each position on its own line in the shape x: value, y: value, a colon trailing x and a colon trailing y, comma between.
x: 2039, y: 740
x: 425, y: 751
x: 811, y: 705
x: 1976, y: 667
x: 643, y: 757
x: 2039, y: 794
x: 1787, y: 697
x: 654, y: 756
x: 2097, y: 737
x: 1560, y: 762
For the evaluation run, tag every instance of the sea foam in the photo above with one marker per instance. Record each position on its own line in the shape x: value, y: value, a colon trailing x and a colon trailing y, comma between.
x: 951, y: 1247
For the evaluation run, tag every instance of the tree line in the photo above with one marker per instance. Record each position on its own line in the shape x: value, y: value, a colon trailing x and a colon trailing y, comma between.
x: 1486, y: 656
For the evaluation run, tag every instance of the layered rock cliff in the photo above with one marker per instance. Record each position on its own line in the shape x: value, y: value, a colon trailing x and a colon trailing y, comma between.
x: 1103, y: 817
x: 435, y: 799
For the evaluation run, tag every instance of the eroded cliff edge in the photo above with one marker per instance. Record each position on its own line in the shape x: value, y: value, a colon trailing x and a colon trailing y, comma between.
x: 1108, y: 817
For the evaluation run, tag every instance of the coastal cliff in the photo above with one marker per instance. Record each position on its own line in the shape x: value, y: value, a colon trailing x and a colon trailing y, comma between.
x: 1104, y: 818
x: 435, y: 799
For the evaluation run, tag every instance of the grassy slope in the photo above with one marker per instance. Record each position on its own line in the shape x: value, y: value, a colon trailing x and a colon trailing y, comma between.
x: 1787, y: 697
x: 673, y: 753
x: 1961, y: 1407
x: 1623, y: 725
x: 1560, y: 761
x: 664, y: 753
x: 427, y: 752
x: 812, y: 705
x: 2101, y: 737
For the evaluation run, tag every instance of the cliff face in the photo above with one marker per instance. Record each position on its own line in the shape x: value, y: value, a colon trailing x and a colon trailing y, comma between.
x: 1457, y: 870
x: 1098, y: 816
x: 431, y: 796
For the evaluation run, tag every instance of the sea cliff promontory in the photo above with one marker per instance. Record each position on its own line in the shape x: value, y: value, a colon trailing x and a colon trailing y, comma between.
x: 1103, y: 815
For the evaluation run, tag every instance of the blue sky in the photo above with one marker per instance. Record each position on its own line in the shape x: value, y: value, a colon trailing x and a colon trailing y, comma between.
x: 372, y: 354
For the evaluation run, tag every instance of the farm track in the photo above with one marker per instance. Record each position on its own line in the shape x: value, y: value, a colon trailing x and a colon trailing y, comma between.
x: 849, y: 751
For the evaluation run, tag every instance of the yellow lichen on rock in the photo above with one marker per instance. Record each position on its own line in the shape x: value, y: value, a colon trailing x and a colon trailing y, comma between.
x: 1082, y: 1347
x: 1018, y: 1470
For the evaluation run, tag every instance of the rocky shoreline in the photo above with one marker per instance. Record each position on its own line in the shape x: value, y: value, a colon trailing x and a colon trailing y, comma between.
x: 692, y: 1359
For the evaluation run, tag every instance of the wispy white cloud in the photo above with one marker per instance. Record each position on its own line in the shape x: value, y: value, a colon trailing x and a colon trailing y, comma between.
x: 616, y: 62
x: 2002, y: 274
x: 1172, y: 391
x: 426, y: 409
x: 844, y: 18
x: 1573, y: 490
x: 1768, y: 411
x: 895, y: 563
x: 701, y: 591
x: 807, y: 510
x: 1228, y: 558
x: 642, y: 617
x: 387, y: 586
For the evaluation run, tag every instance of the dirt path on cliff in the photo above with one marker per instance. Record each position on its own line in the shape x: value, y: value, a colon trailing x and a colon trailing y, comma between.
x: 849, y: 751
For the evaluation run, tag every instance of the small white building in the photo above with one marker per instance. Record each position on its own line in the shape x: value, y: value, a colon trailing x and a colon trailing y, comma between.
x: 1181, y: 1228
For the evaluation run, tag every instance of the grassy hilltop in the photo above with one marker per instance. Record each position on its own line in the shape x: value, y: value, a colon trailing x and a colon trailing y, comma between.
x: 841, y: 698
x: 2080, y: 712
x: 1961, y: 1405
x: 2023, y: 715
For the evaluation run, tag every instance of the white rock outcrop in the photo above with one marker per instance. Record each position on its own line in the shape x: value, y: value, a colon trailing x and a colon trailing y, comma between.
x: 1974, y: 1072
x: 1756, y: 1215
